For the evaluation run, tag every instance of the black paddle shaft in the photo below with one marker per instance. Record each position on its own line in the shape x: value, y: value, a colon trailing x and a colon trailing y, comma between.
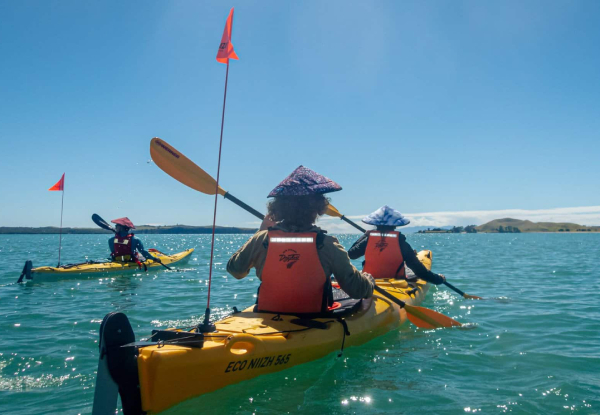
x: 389, y: 296
x: 452, y: 287
x: 345, y: 219
x: 244, y: 206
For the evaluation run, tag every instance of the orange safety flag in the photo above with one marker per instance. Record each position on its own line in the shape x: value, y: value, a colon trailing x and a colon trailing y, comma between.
x: 226, y: 47
x: 60, y: 185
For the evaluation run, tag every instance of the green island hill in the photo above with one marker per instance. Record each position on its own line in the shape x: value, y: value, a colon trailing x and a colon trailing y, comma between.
x: 509, y: 225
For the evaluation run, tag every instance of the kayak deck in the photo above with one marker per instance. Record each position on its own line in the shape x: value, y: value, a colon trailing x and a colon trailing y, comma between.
x: 249, y: 344
x: 103, y: 267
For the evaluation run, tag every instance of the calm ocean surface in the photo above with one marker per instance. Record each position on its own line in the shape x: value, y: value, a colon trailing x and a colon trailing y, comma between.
x: 534, y: 348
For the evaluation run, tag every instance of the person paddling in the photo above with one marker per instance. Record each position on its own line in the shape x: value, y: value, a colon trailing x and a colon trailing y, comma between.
x: 386, y: 251
x: 295, y: 259
x: 124, y: 246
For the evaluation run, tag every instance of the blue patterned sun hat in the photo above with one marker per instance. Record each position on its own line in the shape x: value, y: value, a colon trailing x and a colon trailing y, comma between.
x: 386, y: 216
x: 304, y: 181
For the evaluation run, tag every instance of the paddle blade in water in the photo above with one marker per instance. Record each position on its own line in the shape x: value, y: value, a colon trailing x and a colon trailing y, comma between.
x: 181, y: 168
x: 426, y: 318
x: 472, y: 297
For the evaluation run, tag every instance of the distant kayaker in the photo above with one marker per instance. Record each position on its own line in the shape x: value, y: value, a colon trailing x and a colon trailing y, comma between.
x: 386, y: 251
x: 124, y: 246
x: 295, y: 259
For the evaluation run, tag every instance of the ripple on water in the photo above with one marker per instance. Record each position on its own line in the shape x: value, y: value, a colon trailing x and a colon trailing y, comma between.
x: 531, y: 347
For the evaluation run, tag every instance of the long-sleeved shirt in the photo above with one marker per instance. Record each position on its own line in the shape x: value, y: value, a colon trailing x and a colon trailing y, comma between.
x: 136, y: 244
x: 410, y: 258
x: 332, y: 255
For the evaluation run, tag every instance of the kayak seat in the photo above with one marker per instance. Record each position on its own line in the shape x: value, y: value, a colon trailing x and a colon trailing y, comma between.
x: 346, y: 306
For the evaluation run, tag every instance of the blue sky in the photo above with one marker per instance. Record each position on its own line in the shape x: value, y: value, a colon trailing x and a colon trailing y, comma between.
x: 437, y: 106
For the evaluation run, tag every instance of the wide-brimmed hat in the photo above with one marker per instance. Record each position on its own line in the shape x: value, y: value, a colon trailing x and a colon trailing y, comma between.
x: 304, y: 181
x: 386, y: 216
x: 124, y: 222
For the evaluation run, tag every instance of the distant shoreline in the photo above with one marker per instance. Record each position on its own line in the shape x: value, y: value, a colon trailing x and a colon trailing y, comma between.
x: 164, y: 230
x: 510, y: 225
x: 510, y: 233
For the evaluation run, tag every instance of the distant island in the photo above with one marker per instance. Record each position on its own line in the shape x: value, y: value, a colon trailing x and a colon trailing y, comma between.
x: 451, y: 229
x: 144, y: 229
x: 509, y: 225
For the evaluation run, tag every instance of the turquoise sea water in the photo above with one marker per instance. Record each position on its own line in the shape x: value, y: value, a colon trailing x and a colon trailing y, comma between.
x: 533, y: 348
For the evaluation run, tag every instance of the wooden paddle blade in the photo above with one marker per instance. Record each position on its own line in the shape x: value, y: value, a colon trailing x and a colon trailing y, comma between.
x: 332, y: 211
x: 426, y: 318
x: 181, y: 168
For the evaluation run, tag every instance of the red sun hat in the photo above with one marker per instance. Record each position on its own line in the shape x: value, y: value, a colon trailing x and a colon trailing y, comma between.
x: 124, y: 222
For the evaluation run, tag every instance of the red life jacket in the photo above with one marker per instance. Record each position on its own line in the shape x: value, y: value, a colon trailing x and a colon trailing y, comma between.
x: 122, y: 248
x: 293, y: 279
x: 383, y: 257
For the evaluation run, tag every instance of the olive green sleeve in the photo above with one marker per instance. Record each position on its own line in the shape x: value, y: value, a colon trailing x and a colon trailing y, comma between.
x: 248, y: 256
x: 355, y: 283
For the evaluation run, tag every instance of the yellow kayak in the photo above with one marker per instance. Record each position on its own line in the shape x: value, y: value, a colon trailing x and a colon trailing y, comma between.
x: 103, y: 267
x: 176, y: 365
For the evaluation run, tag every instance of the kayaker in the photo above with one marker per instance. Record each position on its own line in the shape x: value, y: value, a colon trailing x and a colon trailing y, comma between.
x: 386, y: 251
x: 295, y: 259
x: 124, y: 246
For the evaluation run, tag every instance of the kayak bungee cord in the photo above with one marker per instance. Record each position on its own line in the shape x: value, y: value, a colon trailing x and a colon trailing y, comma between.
x: 225, y: 52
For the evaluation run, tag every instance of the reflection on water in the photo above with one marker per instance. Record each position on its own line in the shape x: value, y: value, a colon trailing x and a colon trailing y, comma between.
x: 530, y: 347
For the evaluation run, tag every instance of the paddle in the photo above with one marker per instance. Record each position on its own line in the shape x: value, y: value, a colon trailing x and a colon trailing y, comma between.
x: 104, y: 225
x: 332, y: 211
x: 187, y: 172
x: 422, y: 317
x: 467, y: 296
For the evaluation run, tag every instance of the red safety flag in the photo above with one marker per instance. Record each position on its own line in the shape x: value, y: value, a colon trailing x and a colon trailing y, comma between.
x: 226, y: 47
x: 60, y: 185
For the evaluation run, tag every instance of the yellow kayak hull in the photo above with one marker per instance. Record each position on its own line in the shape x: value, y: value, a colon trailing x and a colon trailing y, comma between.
x: 104, y: 267
x: 249, y: 344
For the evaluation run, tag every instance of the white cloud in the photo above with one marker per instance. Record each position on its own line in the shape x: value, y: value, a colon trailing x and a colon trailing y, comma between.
x: 586, y: 215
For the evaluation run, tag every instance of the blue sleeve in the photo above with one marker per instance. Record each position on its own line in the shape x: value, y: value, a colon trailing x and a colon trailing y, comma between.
x: 111, y: 244
x: 136, y: 244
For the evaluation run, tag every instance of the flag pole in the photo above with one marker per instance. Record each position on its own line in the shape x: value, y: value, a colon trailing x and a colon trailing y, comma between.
x: 206, y: 326
x: 62, y: 201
